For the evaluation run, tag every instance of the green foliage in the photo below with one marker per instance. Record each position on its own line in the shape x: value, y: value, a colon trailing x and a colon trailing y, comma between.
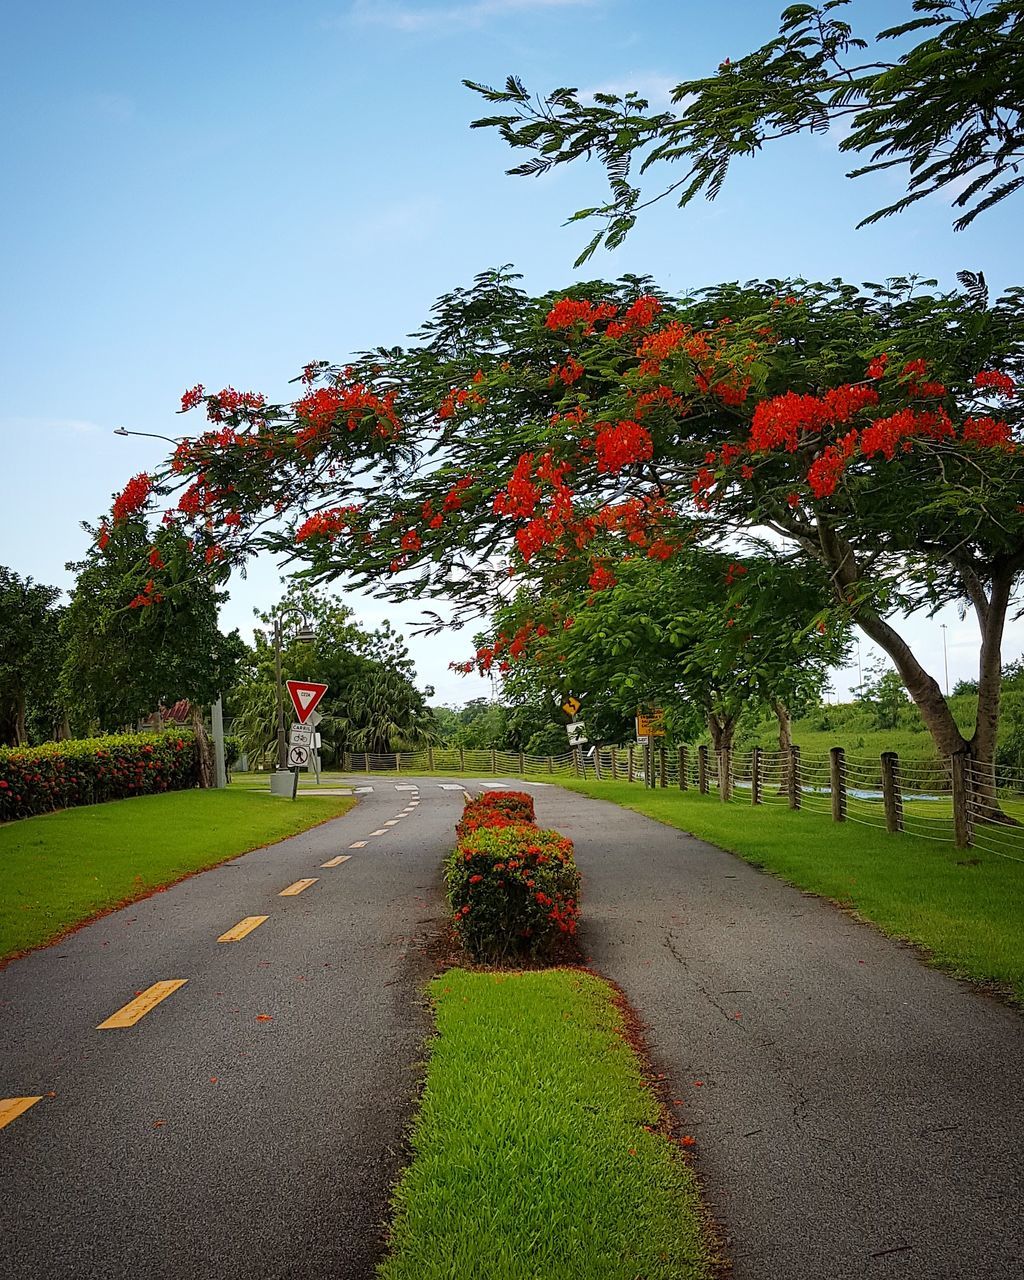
x: 61, y: 775
x: 513, y: 890
x: 884, y: 692
x: 372, y: 703
x: 30, y: 658
x: 123, y: 659
x: 947, y: 110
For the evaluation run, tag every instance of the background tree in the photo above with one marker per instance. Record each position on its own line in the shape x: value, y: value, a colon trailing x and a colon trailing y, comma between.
x: 124, y: 658
x: 30, y: 657
x: 947, y: 110
x: 372, y: 703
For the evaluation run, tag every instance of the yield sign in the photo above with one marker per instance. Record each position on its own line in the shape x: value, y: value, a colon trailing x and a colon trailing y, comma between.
x: 305, y: 695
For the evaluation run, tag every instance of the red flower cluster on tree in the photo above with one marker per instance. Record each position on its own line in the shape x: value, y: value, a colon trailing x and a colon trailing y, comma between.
x: 192, y: 397
x: 781, y: 420
x: 620, y: 444
x: 638, y: 316
x: 569, y: 312
x: 1001, y: 383
x: 326, y: 406
x: 133, y: 496
x: 149, y: 595
x: 229, y: 401
x: 327, y: 524
x: 601, y: 578
x: 988, y: 433
x: 455, y: 399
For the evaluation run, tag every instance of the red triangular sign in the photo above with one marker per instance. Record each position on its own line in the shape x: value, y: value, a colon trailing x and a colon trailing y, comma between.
x: 305, y: 696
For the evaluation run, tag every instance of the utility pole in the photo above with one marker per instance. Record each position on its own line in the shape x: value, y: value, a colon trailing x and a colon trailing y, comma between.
x: 945, y: 656
x: 220, y: 773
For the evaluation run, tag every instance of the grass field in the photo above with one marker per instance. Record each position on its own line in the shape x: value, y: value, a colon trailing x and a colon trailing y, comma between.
x: 964, y: 907
x: 62, y: 868
x: 531, y: 1156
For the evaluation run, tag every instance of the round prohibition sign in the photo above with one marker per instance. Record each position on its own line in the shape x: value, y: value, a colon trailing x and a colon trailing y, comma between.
x: 298, y: 756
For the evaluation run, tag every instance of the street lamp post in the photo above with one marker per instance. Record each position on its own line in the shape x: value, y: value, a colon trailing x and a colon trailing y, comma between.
x: 305, y: 634
x: 945, y: 656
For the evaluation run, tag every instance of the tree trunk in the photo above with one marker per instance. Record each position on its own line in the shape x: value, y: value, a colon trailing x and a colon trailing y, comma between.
x: 722, y: 729
x: 990, y: 610
x: 785, y: 742
x: 204, y: 755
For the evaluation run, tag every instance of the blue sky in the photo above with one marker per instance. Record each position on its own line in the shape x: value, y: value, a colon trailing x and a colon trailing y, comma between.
x: 219, y: 193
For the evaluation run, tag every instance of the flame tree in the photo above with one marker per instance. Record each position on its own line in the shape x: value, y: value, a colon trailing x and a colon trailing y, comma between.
x: 873, y: 431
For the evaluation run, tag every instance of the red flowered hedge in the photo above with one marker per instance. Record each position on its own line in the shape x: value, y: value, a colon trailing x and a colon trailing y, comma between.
x: 61, y: 775
x: 495, y: 809
x: 513, y: 888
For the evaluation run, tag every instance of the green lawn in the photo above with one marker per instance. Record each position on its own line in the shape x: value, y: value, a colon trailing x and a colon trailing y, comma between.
x: 62, y: 868
x: 965, y: 907
x: 531, y: 1156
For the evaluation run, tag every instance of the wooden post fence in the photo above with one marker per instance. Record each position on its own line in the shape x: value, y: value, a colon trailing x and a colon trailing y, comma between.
x: 462, y: 759
x: 891, y: 795
x: 702, y: 770
x: 630, y: 765
x: 963, y: 835
x: 664, y: 766
x: 793, y: 779
x: 837, y: 779
x: 430, y: 759
x: 615, y: 763
x: 755, y: 776
x: 724, y: 774
x: 682, y: 769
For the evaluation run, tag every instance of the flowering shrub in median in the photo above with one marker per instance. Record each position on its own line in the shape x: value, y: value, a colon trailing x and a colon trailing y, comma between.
x: 495, y: 809
x: 61, y: 775
x: 513, y: 888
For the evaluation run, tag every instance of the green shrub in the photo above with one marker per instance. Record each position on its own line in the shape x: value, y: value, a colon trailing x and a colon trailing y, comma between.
x: 514, y: 890
x: 232, y: 750
x: 61, y: 775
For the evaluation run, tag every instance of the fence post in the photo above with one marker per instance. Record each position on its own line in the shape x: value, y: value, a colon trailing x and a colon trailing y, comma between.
x: 755, y: 776
x: 682, y: 768
x: 551, y: 764
x: 837, y: 779
x: 615, y: 764
x: 794, y: 778
x: 664, y: 766
x: 891, y: 797
x: 494, y: 760
x: 724, y: 774
x: 522, y: 762
x: 702, y: 770
x: 462, y: 759
x: 630, y: 764
x: 366, y: 761
x: 597, y: 763
x: 963, y: 836
x: 398, y: 762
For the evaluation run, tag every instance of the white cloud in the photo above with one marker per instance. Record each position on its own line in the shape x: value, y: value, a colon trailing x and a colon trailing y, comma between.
x: 428, y: 17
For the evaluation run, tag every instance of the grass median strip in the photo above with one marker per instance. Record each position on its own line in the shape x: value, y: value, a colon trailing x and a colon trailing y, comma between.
x: 61, y: 869
x: 964, y: 906
x: 537, y: 1154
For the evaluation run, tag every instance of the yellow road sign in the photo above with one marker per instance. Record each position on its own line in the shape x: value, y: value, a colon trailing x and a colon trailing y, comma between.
x: 650, y: 724
x: 571, y: 706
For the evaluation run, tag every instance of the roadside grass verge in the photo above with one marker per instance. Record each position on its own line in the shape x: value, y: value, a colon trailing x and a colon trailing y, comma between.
x: 61, y: 869
x: 531, y: 1156
x: 964, y: 907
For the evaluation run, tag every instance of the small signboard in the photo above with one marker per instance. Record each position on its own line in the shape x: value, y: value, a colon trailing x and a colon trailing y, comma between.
x: 298, y: 757
x: 577, y: 732
x: 650, y: 724
x: 300, y: 735
x: 305, y: 695
x: 571, y: 705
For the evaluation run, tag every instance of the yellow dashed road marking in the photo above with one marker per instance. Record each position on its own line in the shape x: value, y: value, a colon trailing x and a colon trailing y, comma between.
x: 11, y: 1108
x: 143, y: 1003
x: 243, y: 928
x: 297, y: 887
x: 336, y: 862
x: 359, y: 844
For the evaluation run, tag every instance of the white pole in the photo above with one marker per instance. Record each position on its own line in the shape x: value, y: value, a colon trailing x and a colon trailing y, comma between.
x: 219, y: 770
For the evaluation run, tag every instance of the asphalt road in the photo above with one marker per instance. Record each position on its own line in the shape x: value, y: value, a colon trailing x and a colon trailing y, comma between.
x: 253, y: 1122
x: 856, y: 1113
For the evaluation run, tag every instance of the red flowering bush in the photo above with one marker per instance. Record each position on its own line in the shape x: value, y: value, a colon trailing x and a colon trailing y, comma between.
x: 495, y: 809
x: 513, y: 890
x: 61, y: 775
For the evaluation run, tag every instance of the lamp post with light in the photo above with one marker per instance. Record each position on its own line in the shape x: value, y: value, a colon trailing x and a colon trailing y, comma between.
x: 306, y: 635
x: 945, y: 656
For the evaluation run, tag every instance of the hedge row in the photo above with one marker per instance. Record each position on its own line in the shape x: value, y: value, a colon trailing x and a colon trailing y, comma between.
x: 513, y: 888
x: 60, y: 775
